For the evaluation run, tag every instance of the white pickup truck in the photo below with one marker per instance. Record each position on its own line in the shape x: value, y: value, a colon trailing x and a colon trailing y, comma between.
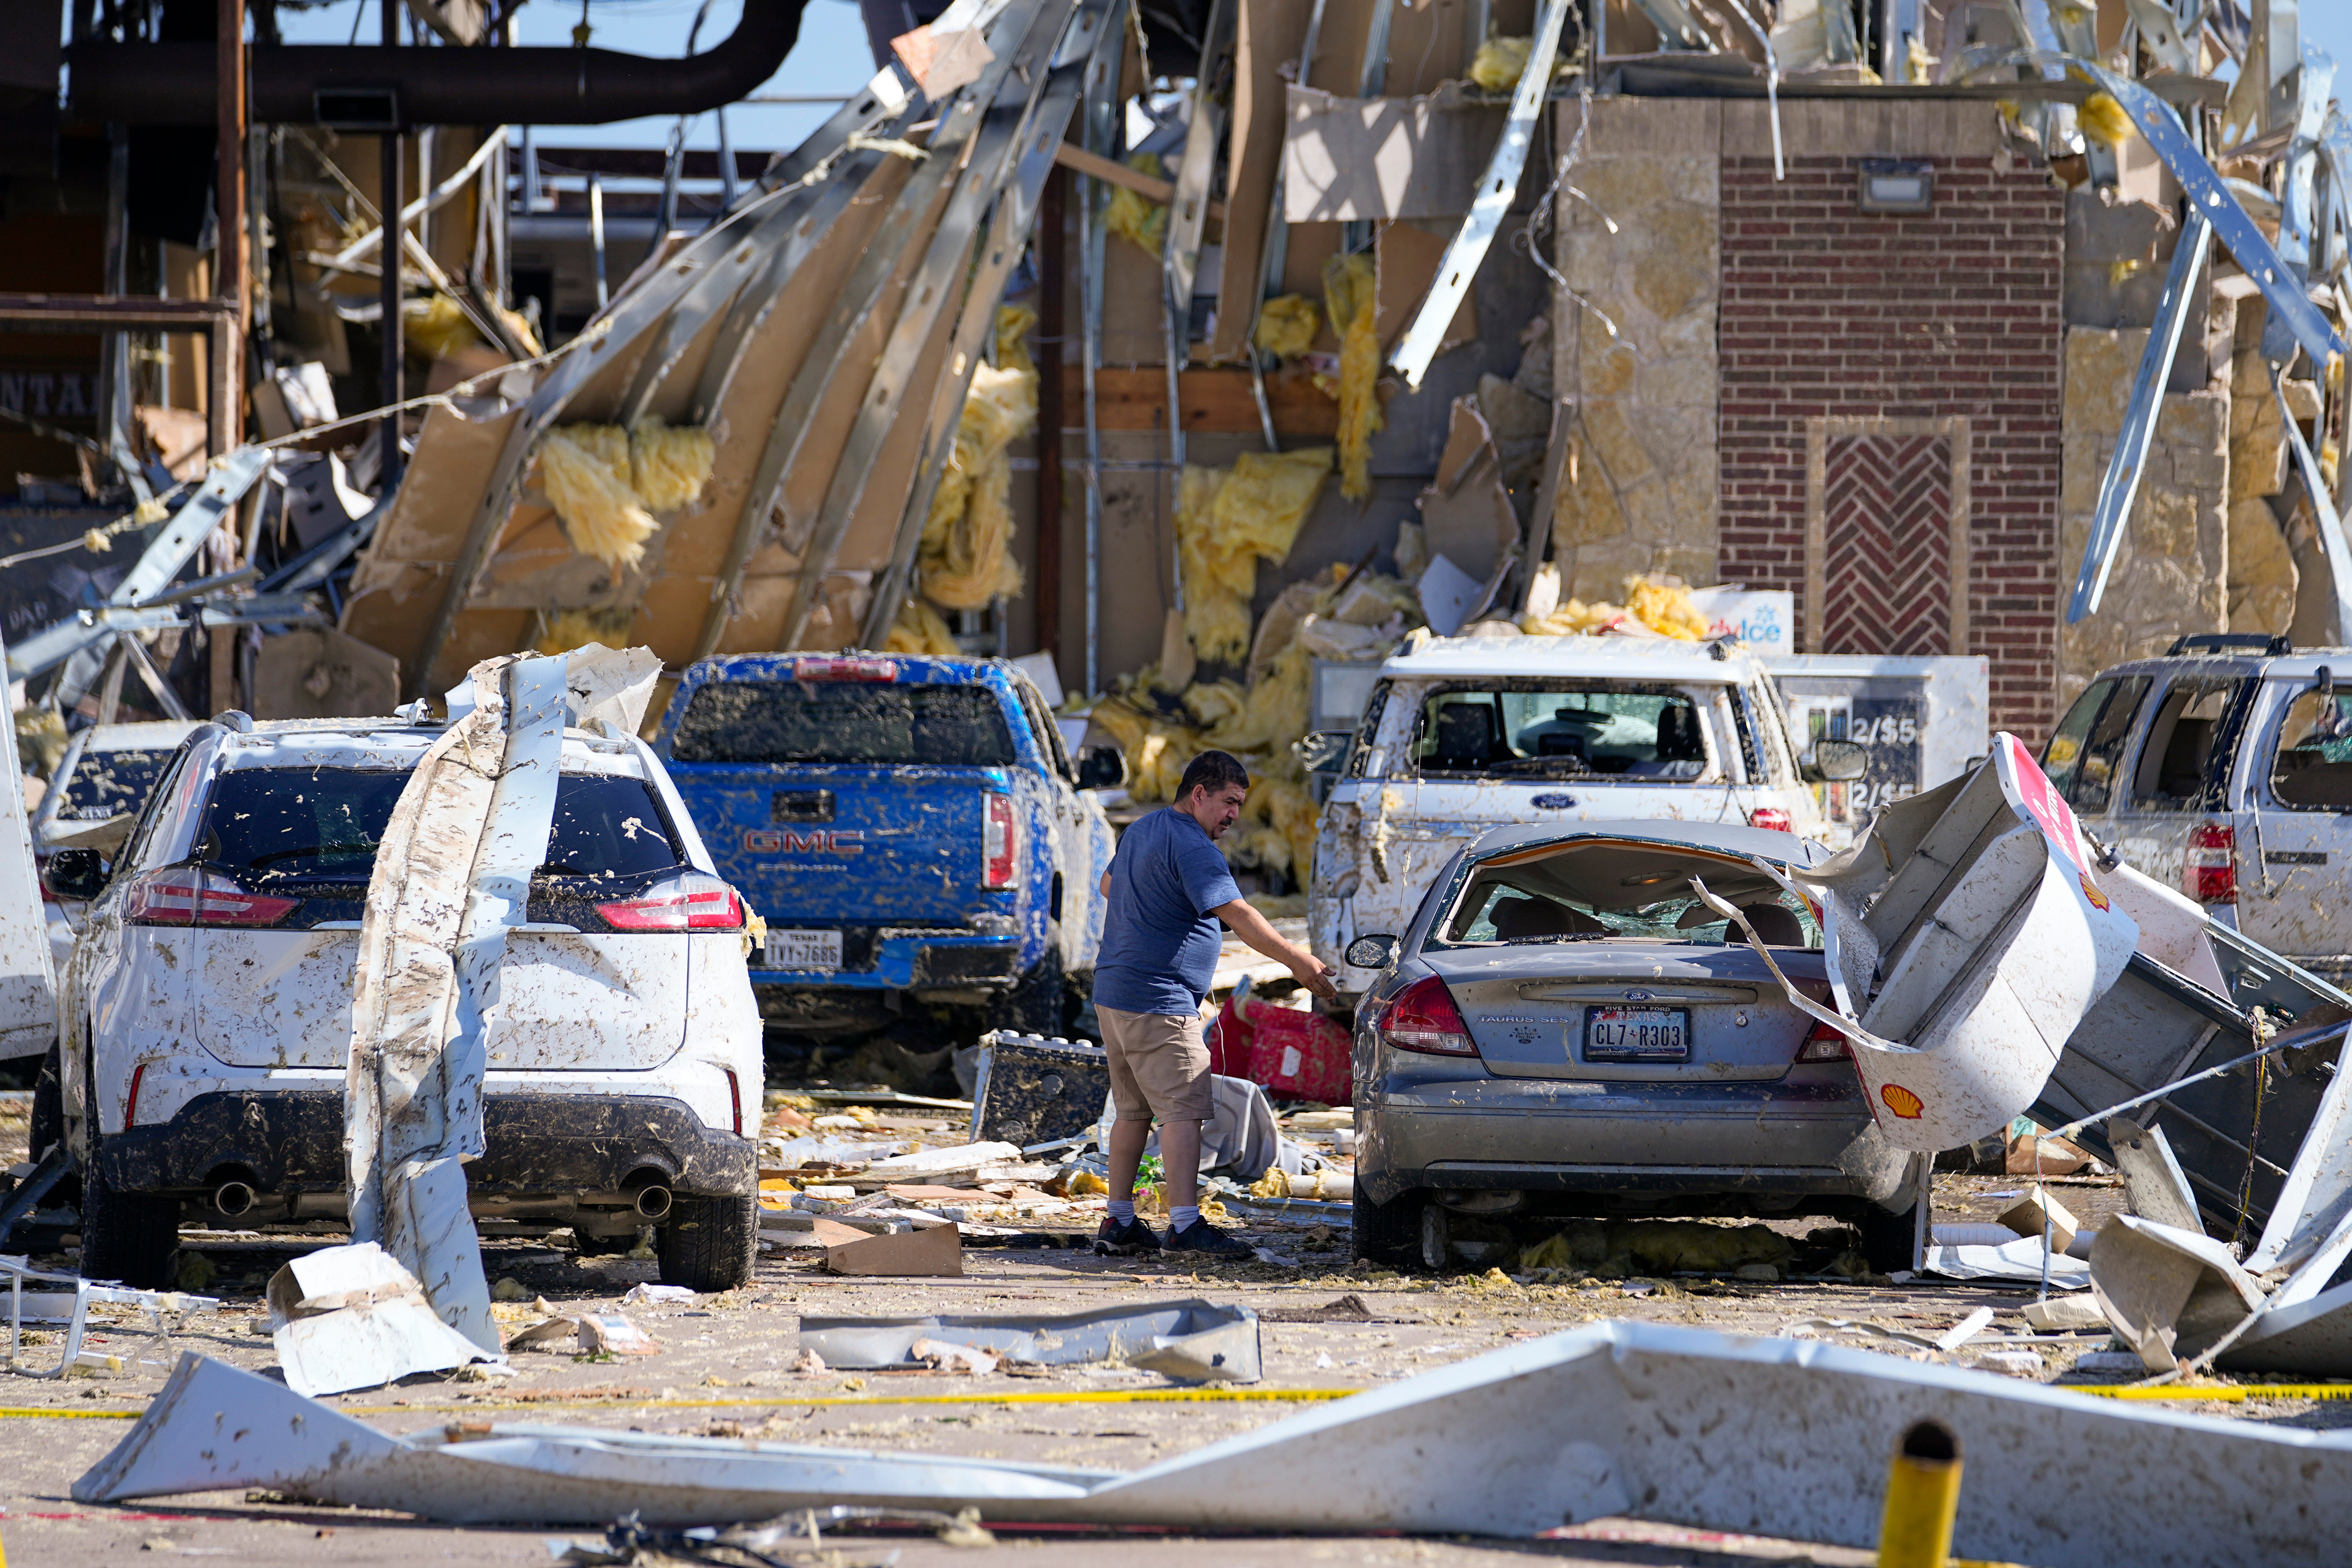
x: 1461, y: 734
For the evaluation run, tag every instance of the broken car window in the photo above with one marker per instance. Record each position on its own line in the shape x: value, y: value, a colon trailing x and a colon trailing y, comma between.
x: 2083, y: 755
x: 2311, y: 768
x: 1610, y: 888
x: 108, y: 783
x: 2176, y: 760
x: 845, y: 721
x: 1553, y: 729
x: 324, y: 824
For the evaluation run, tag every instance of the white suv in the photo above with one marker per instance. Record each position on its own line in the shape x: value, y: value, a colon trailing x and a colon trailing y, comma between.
x: 205, y: 1019
x: 1463, y: 734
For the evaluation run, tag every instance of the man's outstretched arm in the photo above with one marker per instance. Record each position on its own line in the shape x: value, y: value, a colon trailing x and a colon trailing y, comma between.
x: 1255, y: 929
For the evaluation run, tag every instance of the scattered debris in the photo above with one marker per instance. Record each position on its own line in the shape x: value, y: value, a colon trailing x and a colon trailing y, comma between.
x: 352, y: 1317
x: 935, y: 1250
x: 1191, y: 1333
x: 1674, y: 1425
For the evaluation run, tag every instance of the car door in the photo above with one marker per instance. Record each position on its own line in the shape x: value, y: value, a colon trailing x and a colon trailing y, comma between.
x: 2181, y: 773
x: 2291, y: 878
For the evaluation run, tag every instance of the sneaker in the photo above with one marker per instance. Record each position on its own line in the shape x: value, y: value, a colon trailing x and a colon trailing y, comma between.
x: 1116, y: 1240
x: 1207, y: 1239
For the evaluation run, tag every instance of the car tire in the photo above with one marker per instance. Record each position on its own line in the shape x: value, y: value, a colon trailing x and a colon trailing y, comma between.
x: 1038, y: 1003
x: 1386, y: 1234
x: 1887, y: 1238
x: 709, y: 1243
x: 127, y: 1237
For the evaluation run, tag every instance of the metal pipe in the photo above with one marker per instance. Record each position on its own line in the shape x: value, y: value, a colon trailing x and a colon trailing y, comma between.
x: 231, y: 1199
x: 653, y: 1201
x: 1052, y: 262
x: 596, y: 236
x: 388, y: 293
x: 171, y: 83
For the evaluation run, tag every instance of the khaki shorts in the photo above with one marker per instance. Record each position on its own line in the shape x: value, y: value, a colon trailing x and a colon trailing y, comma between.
x: 1159, y: 1065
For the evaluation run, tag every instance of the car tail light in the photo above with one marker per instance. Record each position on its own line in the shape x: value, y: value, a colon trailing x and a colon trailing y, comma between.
x: 735, y: 1099
x: 130, y: 1100
x: 1423, y: 1018
x: 1823, y: 1045
x: 186, y: 896
x: 1771, y: 817
x: 845, y: 668
x: 692, y: 902
x: 1000, y: 842
x: 2209, y: 875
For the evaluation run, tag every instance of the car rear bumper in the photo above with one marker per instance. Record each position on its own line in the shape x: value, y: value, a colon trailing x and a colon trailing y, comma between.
x: 1763, y: 1140
x: 290, y: 1142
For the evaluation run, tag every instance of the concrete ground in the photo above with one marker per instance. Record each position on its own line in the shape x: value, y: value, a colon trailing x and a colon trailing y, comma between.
x: 724, y: 1367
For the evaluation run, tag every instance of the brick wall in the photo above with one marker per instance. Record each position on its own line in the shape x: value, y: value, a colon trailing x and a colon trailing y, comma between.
x: 1827, y: 312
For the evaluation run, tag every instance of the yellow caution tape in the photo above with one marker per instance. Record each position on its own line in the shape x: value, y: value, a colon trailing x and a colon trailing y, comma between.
x: 2235, y: 1396
x: 1088, y: 1396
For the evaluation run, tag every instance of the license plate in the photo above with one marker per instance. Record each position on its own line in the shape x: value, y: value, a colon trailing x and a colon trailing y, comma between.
x: 817, y: 950
x: 1637, y: 1034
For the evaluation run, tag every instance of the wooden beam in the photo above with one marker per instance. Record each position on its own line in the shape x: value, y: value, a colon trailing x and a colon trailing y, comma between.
x: 1110, y: 170
x: 1217, y: 402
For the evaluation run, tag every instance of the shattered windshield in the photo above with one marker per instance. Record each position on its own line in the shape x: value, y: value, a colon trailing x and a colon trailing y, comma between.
x: 845, y: 721
x: 1595, y: 888
x: 325, y: 824
x: 108, y: 783
x: 1546, y: 728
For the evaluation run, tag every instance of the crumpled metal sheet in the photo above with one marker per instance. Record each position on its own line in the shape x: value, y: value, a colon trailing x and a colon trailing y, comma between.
x: 1771, y: 1437
x: 350, y: 1317
x: 1966, y: 940
x: 452, y: 876
x: 1194, y: 1339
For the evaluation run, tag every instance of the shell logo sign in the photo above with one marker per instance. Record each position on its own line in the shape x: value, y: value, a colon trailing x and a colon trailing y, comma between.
x: 1902, y: 1101
x: 2098, y: 900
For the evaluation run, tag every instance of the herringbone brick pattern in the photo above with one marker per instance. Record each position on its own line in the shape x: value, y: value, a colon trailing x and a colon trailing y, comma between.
x: 1887, y: 543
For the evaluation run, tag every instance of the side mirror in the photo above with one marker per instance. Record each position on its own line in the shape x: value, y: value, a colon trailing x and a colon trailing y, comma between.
x: 1836, y: 761
x: 77, y: 875
x: 1101, y: 767
x: 1372, y: 952
x: 1324, y: 750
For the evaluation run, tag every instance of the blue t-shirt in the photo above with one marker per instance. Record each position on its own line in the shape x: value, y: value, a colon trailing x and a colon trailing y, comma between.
x: 1159, y: 941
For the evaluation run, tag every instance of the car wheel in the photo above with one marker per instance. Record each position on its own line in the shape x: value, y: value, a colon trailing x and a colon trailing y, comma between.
x: 128, y: 1236
x: 1388, y: 1232
x: 1887, y: 1238
x: 709, y: 1244
x: 1038, y: 1003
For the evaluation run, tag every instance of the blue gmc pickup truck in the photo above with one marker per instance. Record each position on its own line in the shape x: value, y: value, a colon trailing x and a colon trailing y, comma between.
x: 919, y: 839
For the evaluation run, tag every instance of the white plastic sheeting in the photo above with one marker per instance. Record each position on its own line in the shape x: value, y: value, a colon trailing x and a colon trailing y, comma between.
x: 1768, y: 1437
x: 28, y: 990
x: 350, y: 1317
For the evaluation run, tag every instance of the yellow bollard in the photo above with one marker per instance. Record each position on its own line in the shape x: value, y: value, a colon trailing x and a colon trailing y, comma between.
x: 1923, y: 1494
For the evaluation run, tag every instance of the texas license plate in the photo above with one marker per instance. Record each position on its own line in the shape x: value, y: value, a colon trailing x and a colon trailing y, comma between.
x: 1636, y: 1033
x: 807, y: 950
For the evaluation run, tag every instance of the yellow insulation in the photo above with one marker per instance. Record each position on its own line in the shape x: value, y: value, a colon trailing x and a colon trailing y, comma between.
x: 668, y: 465
x: 920, y: 629
x: 1286, y: 325
x: 437, y: 327
x: 41, y: 738
x: 1225, y: 522
x: 1500, y: 62
x: 1013, y: 325
x: 966, y: 555
x: 1351, y: 284
x: 1129, y: 215
x: 566, y: 631
x: 1156, y: 751
x: 1659, y: 603
x: 2104, y: 121
x: 584, y: 469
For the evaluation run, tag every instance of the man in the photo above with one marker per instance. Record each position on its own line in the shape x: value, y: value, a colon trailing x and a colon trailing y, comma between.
x: 1167, y: 889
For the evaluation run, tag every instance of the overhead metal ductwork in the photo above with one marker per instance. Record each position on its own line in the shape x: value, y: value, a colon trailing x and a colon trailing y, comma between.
x: 170, y: 83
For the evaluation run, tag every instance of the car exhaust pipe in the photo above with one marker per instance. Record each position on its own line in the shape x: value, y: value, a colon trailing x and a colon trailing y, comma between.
x: 231, y: 1199
x: 653, y: 1201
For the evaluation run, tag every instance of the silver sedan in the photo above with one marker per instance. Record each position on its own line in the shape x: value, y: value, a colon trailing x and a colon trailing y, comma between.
x: 1567, y: 1030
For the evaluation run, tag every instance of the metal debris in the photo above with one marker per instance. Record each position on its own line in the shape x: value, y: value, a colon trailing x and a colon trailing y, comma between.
x: 1191, y: 1339
x: 1674, y: 1425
